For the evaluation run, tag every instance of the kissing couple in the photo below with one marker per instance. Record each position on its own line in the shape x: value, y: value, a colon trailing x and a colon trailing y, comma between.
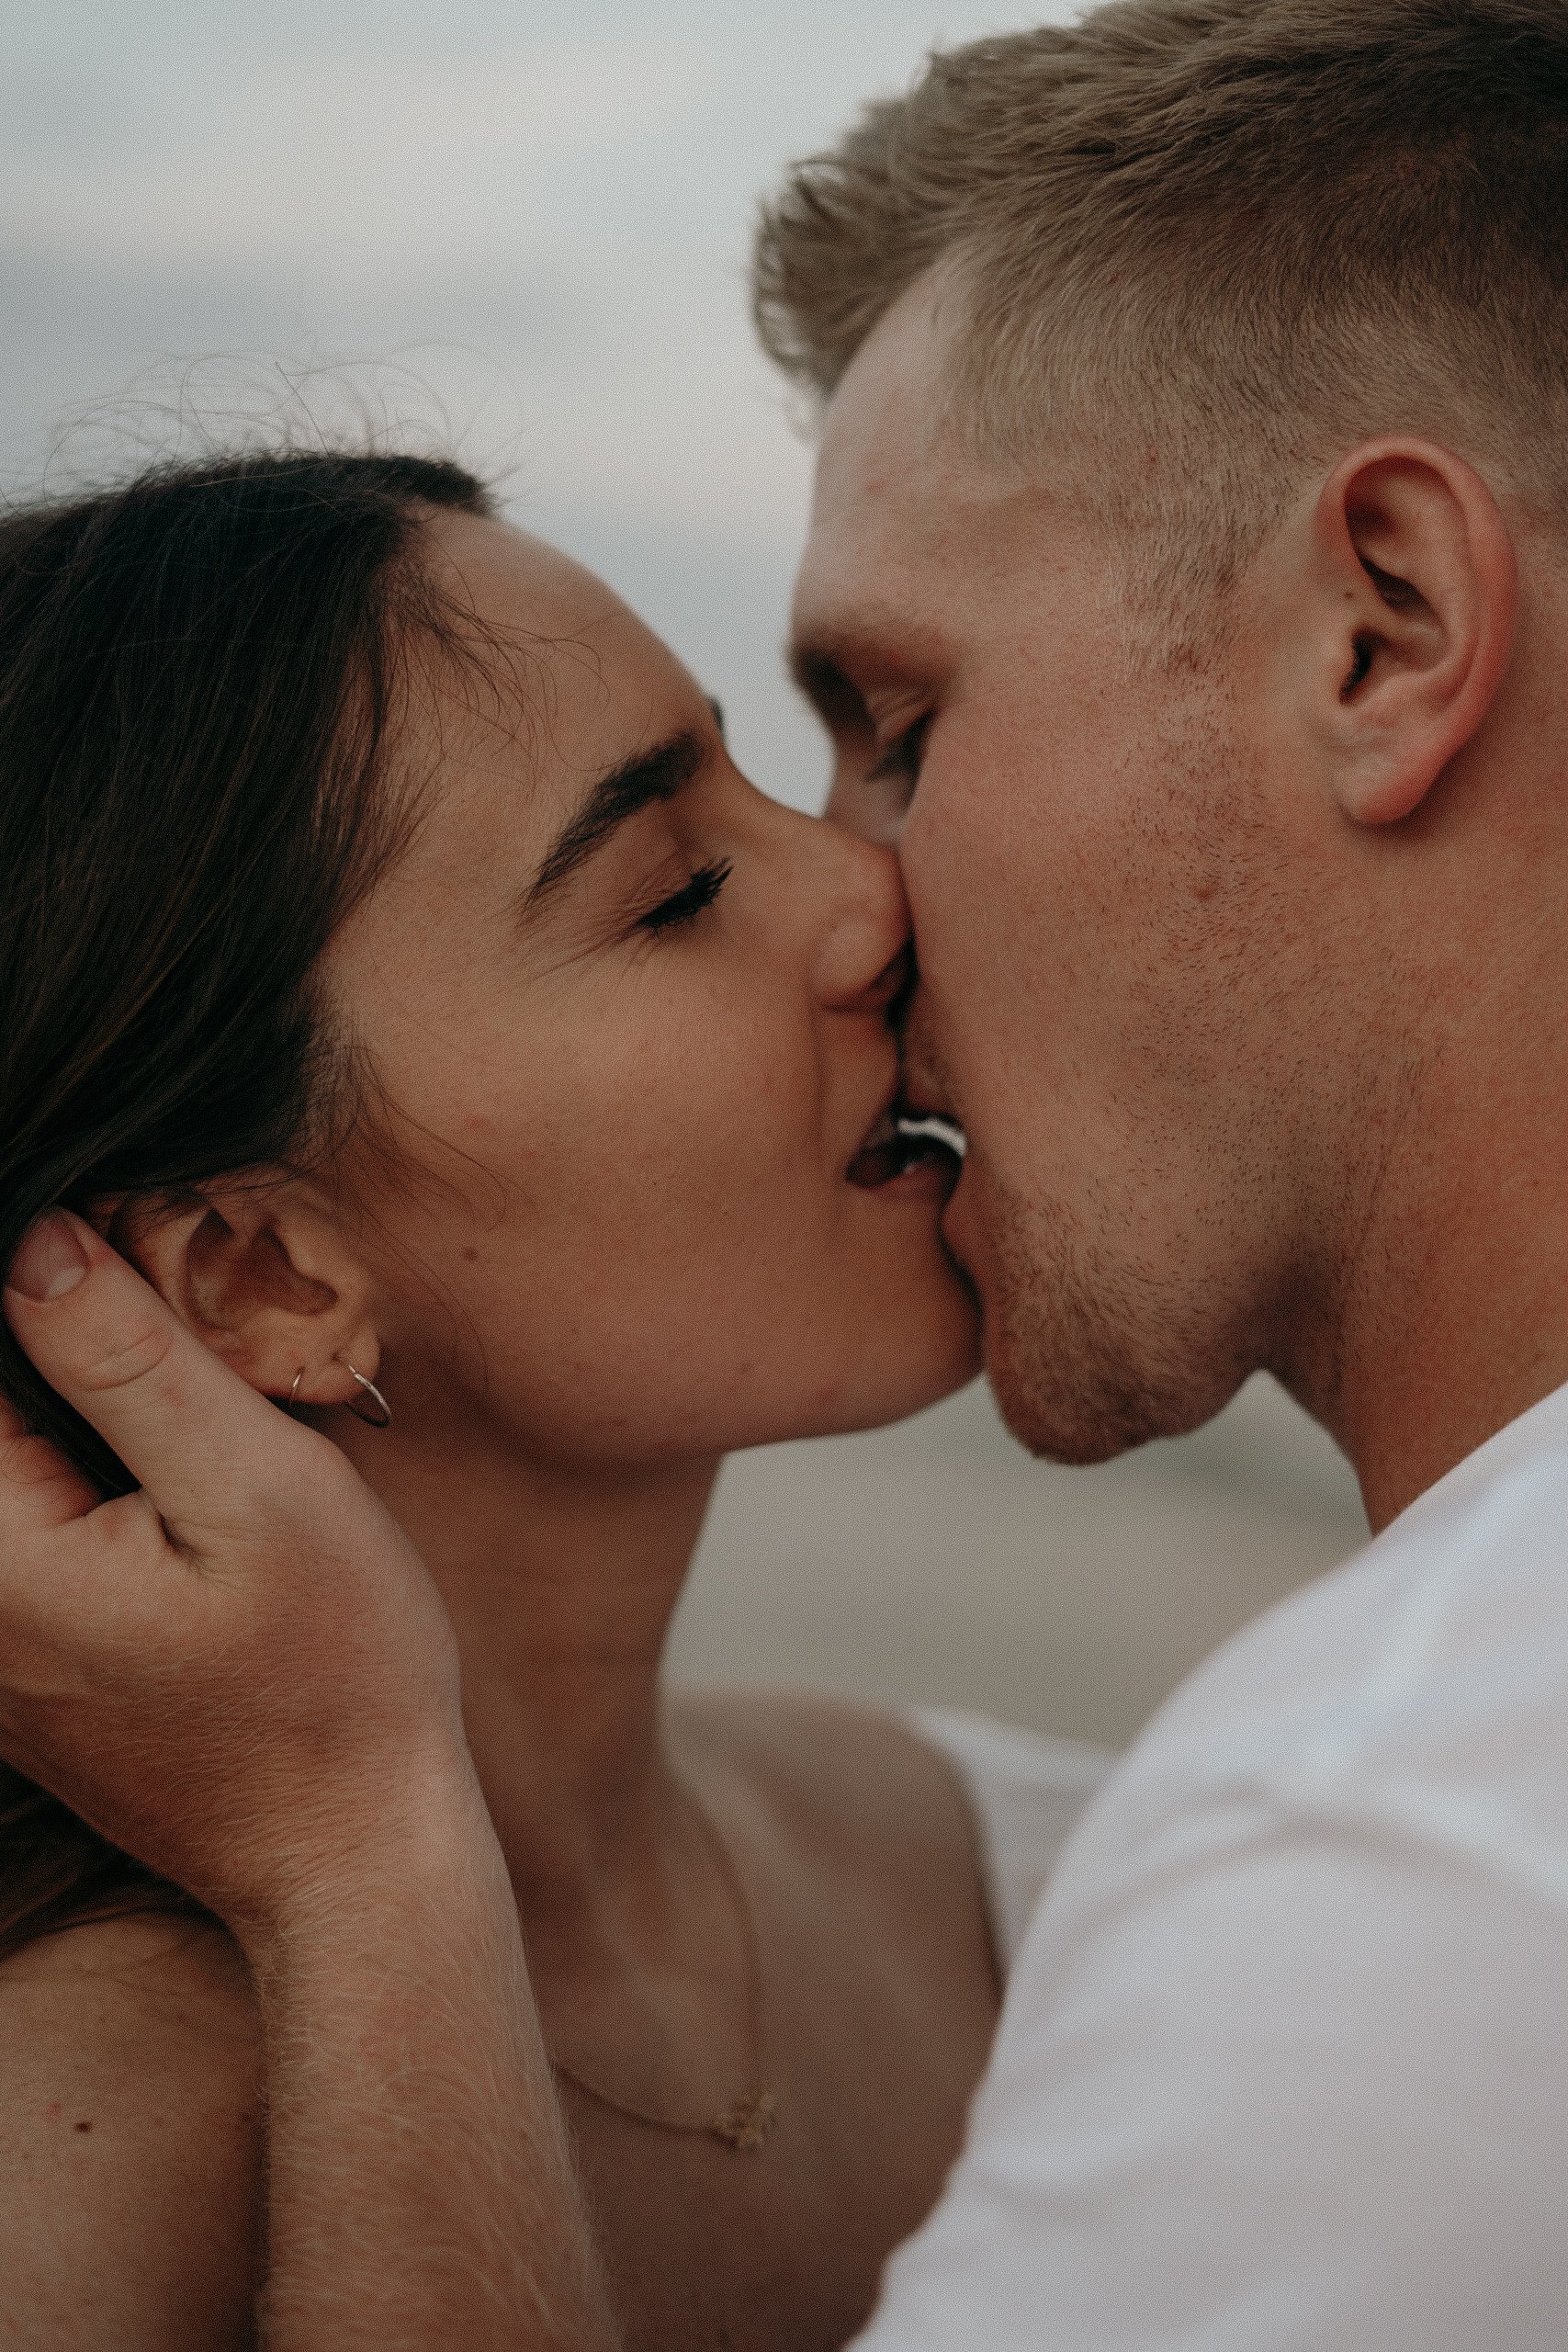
x: 445, y: 1109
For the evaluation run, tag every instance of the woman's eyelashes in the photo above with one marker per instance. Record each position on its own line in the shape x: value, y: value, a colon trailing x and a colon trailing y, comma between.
x: 689, y: 901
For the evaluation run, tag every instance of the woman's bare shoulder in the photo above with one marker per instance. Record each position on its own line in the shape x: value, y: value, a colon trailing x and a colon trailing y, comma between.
x: 860, y: 1782
x: 129, y: 2140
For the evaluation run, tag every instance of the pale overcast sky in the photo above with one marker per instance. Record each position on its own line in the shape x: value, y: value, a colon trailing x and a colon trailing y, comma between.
x: 526, y: 227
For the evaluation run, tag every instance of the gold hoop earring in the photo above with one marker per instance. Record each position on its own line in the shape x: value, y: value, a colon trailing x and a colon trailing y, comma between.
x: 378, y: 1418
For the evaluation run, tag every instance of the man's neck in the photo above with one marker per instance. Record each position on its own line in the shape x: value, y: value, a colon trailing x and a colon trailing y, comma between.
x: 1452, y: 1315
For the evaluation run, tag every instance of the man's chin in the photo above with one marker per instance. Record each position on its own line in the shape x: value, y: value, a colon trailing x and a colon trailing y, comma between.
x: 1057, y: 1421
x: 1084, y: 1368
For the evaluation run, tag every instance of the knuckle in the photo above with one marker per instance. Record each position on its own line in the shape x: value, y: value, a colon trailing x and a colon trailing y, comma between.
x: 122, y: 1545
x: 331, y: 1480
x: 117, y: 1529
x: 294, y: 1476
x: 282, y: 1500
x: 130, y: 1360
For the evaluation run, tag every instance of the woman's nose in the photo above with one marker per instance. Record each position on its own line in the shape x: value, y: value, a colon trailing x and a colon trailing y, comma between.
x: 862, y: 958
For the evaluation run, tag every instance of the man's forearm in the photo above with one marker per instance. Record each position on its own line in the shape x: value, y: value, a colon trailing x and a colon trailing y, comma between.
x: 420, y: 2194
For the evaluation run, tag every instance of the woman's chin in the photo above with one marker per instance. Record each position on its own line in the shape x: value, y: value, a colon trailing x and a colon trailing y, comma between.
x: 916, y: 1368
x: 916, y: 1337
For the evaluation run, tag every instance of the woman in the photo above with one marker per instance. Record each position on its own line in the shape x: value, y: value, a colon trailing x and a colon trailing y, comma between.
x: 406, y: 983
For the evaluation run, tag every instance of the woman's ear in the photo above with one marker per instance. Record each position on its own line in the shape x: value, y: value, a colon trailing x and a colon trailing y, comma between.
x: 1413, y: 620
x: 265, y: 1277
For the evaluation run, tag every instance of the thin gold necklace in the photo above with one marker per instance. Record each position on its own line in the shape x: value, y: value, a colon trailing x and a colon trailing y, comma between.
x: 745, y: 2125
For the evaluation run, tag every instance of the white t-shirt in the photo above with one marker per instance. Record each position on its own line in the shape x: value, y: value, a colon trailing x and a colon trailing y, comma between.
x: 1283, y: 2060
x: 1025, y: 1793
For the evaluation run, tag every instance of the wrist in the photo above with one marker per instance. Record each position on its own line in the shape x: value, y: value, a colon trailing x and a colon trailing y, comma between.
x: 418, y: 1861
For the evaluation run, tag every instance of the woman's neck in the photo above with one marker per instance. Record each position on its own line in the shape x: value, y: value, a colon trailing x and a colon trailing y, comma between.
x: 560, y: 1582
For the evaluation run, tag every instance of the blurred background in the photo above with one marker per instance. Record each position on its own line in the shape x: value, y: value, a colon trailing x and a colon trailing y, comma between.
x: 520, y: 231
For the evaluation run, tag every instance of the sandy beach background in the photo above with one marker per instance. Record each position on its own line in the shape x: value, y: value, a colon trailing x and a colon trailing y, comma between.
x: 936, y: 1562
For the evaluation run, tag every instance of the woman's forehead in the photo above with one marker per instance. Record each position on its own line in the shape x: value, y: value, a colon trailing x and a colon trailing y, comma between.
x: 581, y: 686
x: 516, y: 582
x: 597, y: 676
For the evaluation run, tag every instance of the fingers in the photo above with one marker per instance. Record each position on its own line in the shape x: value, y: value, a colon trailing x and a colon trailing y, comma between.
x: 184, y: 1424
x: 37, y: 1489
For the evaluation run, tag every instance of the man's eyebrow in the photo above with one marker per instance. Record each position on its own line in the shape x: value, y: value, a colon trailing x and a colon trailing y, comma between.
x: 651, y: 777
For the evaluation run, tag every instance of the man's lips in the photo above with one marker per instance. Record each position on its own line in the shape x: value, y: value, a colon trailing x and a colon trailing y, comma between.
x: 903, y: 1138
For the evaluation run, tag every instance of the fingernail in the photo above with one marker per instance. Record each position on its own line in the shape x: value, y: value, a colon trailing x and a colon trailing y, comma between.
x: 51, y: 1261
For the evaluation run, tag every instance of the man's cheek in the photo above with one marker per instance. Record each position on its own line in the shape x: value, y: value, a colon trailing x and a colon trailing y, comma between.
x: 964, y: 1232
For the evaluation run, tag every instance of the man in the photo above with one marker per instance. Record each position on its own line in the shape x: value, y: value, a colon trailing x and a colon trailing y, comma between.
x: 1186, y: 590
x: 1188, y: 587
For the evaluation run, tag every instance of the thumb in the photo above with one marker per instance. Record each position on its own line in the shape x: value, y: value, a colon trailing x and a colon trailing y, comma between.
x: 184, y: 1424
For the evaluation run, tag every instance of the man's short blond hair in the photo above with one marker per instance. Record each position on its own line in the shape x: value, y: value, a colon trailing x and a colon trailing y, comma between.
x: 1200, y: 244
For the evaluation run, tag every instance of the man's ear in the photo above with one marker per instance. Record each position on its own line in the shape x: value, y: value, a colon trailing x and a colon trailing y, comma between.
x: 1413, y: 620
x: 265, y: 1277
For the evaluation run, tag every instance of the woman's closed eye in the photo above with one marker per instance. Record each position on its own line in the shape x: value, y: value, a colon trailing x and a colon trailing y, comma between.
x: 688, y: 902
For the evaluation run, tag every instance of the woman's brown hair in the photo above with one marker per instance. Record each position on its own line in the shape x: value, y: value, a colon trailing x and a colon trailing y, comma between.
x: 201, y: 675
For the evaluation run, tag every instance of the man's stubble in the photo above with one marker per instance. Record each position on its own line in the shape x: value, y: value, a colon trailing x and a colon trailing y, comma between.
x: 1135, y: 1306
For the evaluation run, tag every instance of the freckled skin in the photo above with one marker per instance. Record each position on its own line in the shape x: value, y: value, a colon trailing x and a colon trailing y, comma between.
x: 1131, y: 1148
x: 1234, y: 969
x: 649, y: 1132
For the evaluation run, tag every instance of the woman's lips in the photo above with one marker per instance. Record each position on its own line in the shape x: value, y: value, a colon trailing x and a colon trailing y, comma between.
x: 901, y: 1142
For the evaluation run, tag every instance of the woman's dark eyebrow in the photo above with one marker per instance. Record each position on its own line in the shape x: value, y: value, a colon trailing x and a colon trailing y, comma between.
x: 653, y: 775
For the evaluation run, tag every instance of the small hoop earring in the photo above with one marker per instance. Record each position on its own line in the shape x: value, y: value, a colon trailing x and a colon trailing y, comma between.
x: 379, y: 1418
x: 294, y: 1392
